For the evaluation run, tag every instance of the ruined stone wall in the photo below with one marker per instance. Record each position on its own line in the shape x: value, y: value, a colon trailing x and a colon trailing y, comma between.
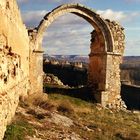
x: 14, y: 61
x: 112, y: 95
x: 36, y: 64
x: 104, y: 67
x: 114, y: 59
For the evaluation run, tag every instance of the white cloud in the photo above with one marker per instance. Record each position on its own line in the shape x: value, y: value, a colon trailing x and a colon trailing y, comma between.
x: 68, y: 40
x: 132, y: 29
x: 119, y: 16
x: 132, y: 1
x: 22, y: 1
x: 50, y: 1
x: 32, y: 18
x: 113, y: 15
x: 132, y: 47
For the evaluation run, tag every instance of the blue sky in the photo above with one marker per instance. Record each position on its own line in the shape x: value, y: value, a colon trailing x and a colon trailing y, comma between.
x: 70, y: 34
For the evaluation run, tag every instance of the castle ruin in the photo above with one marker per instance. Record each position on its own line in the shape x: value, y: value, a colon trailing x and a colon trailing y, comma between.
x: 21, y: 57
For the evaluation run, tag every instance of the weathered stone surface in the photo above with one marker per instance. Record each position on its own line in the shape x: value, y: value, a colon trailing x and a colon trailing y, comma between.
x: 14, y: 62
x: 104, y: 68
x: 118, y: 36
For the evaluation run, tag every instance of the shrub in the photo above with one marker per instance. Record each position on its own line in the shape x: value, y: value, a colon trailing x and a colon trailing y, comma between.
x: 37, y: 99
x: 65, y: 107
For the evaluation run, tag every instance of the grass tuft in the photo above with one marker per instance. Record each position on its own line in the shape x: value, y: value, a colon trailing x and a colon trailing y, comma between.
x: 39, y: 100
x: 18, y: 131
x: 65, y: 107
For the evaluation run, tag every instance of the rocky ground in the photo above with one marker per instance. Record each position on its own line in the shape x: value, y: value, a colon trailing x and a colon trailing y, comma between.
x: 59, y: 117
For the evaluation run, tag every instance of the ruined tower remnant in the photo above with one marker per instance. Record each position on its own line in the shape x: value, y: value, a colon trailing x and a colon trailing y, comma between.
x: 104, y: 67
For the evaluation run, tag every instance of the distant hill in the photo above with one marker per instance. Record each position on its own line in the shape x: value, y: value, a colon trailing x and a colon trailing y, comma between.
x: 70, y: 58
x: 131, y: 59
x: 130, y: 68
x: 85, y: 58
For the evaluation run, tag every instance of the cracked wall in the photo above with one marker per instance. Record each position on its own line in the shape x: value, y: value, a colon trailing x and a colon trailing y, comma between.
x: 14, y: 61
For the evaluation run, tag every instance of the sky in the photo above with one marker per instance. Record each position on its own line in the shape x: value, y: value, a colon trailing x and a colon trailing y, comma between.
x: 70, y: 34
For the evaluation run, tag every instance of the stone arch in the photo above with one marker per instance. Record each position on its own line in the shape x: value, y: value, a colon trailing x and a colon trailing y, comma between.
x: 89, y: 15
x: 107, y: 46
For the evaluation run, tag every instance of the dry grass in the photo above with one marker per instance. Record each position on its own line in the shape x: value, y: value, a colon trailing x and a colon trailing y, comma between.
x: 39, y: 100
x: 65, y: 107
x: 91, y: 122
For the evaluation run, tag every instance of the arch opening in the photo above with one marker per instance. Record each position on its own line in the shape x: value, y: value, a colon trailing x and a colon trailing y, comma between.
x: 67, y: 61
x: 68, y: 34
